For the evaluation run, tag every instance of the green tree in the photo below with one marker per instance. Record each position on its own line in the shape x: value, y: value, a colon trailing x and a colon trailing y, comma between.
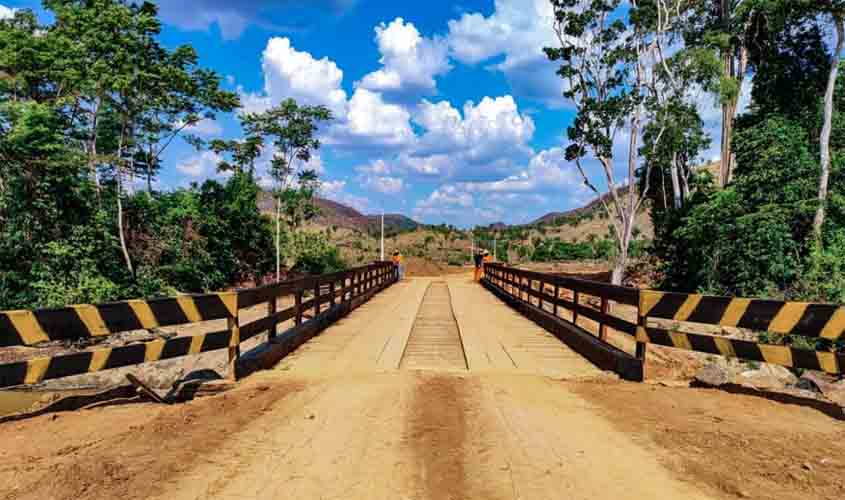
x: 290, y: 128
x: 609, y: 56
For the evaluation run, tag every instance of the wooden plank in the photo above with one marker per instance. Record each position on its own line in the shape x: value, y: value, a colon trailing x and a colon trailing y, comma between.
x: 601, y: 354
x: 266, y: 324
x: 609, y: 320
x: 143, y: 389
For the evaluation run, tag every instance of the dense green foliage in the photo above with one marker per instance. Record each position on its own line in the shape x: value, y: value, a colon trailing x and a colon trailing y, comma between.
x: 89, y: 104
x: 755, y: 236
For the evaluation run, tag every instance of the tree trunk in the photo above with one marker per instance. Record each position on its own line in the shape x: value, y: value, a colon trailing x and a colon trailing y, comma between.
x: 733, y: 69
x: 677, y: 195
x: 92, y: 160
x: 278, y: 239
x: 818, y: 221
x: 149, y: 178
x: 726, y: 158
x: 119, y: 173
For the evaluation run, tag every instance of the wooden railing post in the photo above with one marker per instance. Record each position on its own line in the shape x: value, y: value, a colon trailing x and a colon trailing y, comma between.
x: 602, y: 326
x: 557, y: 297
x: 332, y: 293
x: 542, y: 292
x: 234, y: 346
x: 575, y: 296
x: 298, y: 307
x: 642, y: 347
x: 317, y: 298
x: 271, y: 311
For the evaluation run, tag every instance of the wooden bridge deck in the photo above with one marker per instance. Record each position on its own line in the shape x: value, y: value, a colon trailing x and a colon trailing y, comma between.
x: 365, y: 425
x: 494, y: 338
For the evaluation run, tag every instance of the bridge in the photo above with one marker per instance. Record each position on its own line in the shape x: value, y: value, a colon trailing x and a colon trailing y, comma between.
x: 367, y: 387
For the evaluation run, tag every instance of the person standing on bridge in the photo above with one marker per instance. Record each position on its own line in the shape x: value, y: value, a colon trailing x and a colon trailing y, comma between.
x: 397, y: 261
x: 478, y: 259
x: 484, y: 261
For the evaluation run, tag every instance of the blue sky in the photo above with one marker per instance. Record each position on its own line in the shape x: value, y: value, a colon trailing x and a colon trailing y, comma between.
x: 447, y: 112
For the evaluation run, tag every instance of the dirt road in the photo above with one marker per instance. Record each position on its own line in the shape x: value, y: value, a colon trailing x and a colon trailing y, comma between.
x: 519, y: 416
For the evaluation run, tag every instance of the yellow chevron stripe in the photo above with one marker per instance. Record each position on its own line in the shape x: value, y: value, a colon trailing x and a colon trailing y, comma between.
x: 827, y: 360
x: 725, y: 346
x: 35, y: 370
x: 230, y: 300
x: 189, y: 308
x: 835, y: 326
x: 687, y: 307
x: 776, y: 355
x: 99, y: 359
x: 143, y: 313
x: 90, y: 315
x: 27, y: 327
x: 680, y: 340
x: 788, y: 316
x: 196, y: 344
x: 649, y: 299
x: 153, y: 350
x: 736, y: 308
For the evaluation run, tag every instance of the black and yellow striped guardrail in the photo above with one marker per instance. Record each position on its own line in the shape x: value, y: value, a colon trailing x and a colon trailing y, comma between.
x: 29, y: 328
x: 73, y: 323
x: 826, y: 321
x: 37, y: 370
x: 804, y: 319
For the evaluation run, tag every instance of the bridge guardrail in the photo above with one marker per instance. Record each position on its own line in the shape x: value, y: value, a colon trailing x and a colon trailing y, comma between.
x: 813, y: 320
x: 30, y: 328
x: 538, y: 296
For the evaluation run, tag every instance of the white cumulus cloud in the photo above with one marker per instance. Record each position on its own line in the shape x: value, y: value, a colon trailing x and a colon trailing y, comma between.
x: 297, y: 74
x: 384, y: 184
x: 517, y: 30
x: 200, y: 166
x: 206, y: 127
x: 409, y: 61
x: 371, y: 121
x: 492, y: 129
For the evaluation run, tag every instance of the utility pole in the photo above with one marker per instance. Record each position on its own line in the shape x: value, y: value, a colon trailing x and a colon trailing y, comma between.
x: 382, y: 235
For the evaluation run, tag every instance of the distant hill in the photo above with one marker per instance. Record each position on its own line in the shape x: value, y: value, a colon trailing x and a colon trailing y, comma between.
x: 339, y: 215
x: 590, y: 207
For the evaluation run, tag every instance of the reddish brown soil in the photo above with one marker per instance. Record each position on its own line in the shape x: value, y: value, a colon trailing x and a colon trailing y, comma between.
x: 122, y: 452
x: 417, y: 266
x: 740, y: 446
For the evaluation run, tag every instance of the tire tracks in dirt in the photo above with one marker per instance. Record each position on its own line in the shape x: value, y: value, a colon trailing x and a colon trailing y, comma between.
x: 436, y: 430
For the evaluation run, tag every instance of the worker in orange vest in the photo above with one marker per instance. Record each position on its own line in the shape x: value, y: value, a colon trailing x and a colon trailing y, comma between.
x: 397, y: 261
